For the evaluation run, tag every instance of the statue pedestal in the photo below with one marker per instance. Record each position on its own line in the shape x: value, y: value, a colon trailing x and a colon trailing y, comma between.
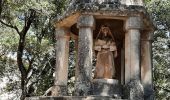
x: 106, y: 87
x: 73, y: 98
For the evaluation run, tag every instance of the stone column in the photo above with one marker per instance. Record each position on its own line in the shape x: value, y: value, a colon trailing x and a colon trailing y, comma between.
x: 127, y: 58
x: 122, y: 65
x: 132, y: 47
x: 61, y: 68
x: 132, y: 58
x: 76, y: 66
x: 146, y: 65
x: 84, y: 71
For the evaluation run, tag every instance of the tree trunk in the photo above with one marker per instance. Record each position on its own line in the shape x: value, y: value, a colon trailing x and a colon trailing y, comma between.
x: 23, y: 89
x: 0, y: 7
x: 22, y: 34
x: 21, y: 66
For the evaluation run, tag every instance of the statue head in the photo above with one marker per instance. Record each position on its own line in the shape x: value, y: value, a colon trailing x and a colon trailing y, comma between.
x: 105, y: 30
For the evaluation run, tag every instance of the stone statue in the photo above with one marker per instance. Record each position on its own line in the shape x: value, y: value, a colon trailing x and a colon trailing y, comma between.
x: 106, y: 52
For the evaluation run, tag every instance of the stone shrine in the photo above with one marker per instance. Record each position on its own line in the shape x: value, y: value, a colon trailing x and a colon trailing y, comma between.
x: 119, y: 33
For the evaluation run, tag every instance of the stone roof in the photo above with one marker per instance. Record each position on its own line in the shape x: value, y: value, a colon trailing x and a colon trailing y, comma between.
x: 110, y: 7
x: 97, y: 5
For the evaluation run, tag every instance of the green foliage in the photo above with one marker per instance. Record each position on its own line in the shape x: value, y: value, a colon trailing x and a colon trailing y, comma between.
x: 8, y: 45
x: 39, y: 43
x: 159, y: 10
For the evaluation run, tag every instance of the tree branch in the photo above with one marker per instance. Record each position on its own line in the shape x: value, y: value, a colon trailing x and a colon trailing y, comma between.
x: 28, y: 22
x: 0, y: 7
x: 30, y: 65
x: 11, y: 26
x: 167, y: 90
x: 2, y: 22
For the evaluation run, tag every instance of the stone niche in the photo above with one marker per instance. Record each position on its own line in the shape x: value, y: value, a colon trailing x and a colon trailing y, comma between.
x: 117, y: 29
x: 119, y: 34
x: 109, y: 86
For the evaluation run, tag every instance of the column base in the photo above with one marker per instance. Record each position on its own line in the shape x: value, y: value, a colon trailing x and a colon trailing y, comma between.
x: 148, y: 93
x: 134, y: 90
x: 59, y: 90
x: 107, y: 87
x: 82, y: 89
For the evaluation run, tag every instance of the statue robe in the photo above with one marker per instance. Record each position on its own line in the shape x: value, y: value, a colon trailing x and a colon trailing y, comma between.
x: 105, y: 67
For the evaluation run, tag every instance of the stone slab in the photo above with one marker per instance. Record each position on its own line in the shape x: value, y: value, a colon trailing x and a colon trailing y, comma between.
x: 73, y: 98
x: 107, y: 87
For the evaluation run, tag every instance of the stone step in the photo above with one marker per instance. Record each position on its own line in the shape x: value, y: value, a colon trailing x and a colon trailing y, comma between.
x: 72, y: 98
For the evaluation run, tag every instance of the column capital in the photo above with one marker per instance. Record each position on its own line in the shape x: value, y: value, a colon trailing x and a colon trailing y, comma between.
x: 147, y: 36
x: 134, y: 23
x: 86, y: 21
x: 62, y: 32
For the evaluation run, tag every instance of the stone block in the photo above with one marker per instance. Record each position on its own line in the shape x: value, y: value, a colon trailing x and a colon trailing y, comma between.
x: 73, y: 98
x: 106, y: 87
x: 134, y: 90
x: 134, y: 23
